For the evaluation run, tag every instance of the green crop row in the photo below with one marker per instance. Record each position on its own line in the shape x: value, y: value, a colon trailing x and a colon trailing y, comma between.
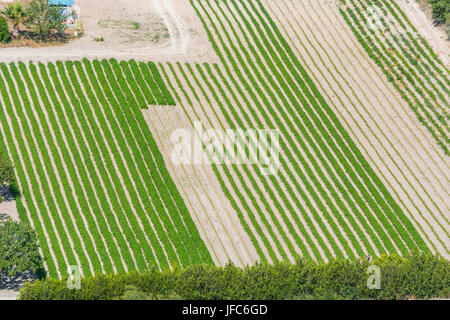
x: 178, y: 213
x: 102, y: 192
x: 383, y: 63
x: 335, y: 70
x: 379, y: 56
x: 59, y: 123
x: 283, y: 145
x: 393, y: 214
x: 236, y: 67
x: 38, y: 208
x: 410, y: 45
x: 405, y: 63
x: 71, y: 212
x: 284, y: 95
x: 382, y: 210
x: 421, y: 45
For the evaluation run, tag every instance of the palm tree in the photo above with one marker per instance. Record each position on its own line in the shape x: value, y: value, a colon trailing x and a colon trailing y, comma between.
x: 16, y: 14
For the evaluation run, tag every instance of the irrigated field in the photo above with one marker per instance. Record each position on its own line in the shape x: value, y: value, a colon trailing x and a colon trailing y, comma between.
x: 94, y: 184
x: 362, y: 113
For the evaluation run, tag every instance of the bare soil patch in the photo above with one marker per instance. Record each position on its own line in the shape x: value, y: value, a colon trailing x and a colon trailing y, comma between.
x: 126, y: 29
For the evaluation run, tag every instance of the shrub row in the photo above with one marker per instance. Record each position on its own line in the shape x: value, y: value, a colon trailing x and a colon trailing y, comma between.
x: 417, y: 276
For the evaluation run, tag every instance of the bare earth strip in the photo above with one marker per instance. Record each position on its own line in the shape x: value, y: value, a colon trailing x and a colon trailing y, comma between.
x: 210, y: 209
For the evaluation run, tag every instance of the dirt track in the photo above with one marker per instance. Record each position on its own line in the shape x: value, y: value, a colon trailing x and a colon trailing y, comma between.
x: 131, y: 29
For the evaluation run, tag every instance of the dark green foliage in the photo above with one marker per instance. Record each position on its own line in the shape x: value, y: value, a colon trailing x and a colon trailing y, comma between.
x: 46, y: 22
x: 418, y: 275
x: 4, y: 31
x: 441, y: 8
x: 18, y: 249
x: 6, y: 169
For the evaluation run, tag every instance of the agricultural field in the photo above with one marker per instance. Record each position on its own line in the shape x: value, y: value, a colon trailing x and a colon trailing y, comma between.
x: 359, y: 99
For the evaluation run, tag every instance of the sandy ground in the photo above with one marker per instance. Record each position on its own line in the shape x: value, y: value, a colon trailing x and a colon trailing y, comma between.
x: 8, y: 205
x: 141, y: 29
x: 9, y: 294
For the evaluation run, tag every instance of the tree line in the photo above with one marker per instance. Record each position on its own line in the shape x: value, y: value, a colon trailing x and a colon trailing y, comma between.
x: 38, y: 20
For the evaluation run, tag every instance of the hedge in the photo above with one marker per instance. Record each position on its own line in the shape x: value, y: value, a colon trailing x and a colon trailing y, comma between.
x: 4, y: 31
x: 417, y: 275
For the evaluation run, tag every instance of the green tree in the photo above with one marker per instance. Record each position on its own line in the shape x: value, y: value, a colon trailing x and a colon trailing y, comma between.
x: 6, y: 170
x: 4, y: 31
x: 16, y: 14
x: 46, y: 21
x: 447, y: 24
x: 440, y: 9
x: 19, y: 250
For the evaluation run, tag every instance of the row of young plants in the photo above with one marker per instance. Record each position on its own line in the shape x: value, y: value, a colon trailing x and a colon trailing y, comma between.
x: 416, y: 276
x: 440, y: 107
x: 113, y: 111
x: 408, y: 62
x: 87, y: 219
x: 56, y: 207
x: 251, y: 108
x: 273, y: 67
x: 289, y: 200
x: 191, y: 79
x: 405, y: 69
x: 243, y: 208
x: 143, y: 205
x: 381, y: 195
x: 106, y: 113
x: 89, y: 150
x: 176, y: 218
x: 285, y: 94
x: 313, y: 88
x: 415, y: 52
x: 64, y: 196
x: 331, y: 115
x: 383, y: 63
x: 88, y: 186
x: 267, y: 207
x: 271, y: 52
x: 244, y: 112
x: 31, y: 191
x: 272, y: 49
x: 380, y: 54
x: 421, y: 44
x: 25, y: 213
x: 172, y: 217
x: 64, y: 120
x: 72, y: 117
x: 332, y: 73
